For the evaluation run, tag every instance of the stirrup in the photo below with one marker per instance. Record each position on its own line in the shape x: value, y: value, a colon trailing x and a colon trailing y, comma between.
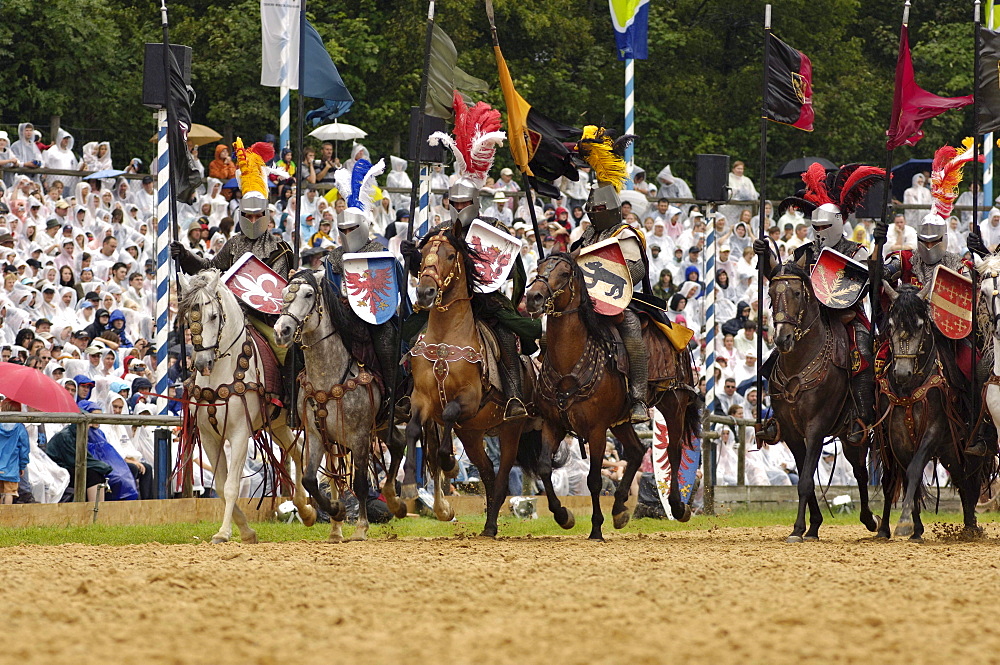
x: 858, y: 432
x: 767, y: 431
x: 639, y: 412
x: 977, y: 449
x: 515, y: 409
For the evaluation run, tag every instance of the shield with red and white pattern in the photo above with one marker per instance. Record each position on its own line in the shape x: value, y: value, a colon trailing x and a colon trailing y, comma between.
x: 255, y: 284
x: 951, y: 303
x: 497, y: 253
x: 606, y: 276
x: 838, y: 280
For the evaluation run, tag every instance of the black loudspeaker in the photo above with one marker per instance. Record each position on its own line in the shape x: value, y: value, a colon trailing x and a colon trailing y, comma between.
x: 871, y: 206
x: 154, y: 88
x: 711, y: 177
x: 428, y: 153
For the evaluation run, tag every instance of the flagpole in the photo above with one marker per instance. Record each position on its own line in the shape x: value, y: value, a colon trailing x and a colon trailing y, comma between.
x: 420, y: 118
x: 300, y: 171
x: 876, y: 266
x: 987, y: 190
x: 761, y: 231
x: 976, y: 388
x: 534, y: 218
x: 285, y: 119
x: 629, y: 118
x: 171, y: 121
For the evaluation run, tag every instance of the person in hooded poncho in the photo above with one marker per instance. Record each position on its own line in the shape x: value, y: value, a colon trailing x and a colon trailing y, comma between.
x: 397, y: 179
x: 24, y: 148
x: 14, y: 454
x: 60, y: 156
x: 222, y: 167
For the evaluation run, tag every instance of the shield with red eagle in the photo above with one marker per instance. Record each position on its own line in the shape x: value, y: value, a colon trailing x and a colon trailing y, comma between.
x: 951, y: 303
x: 371, y: 286
x: 690, y: 461
x: 606, y: 276
x: 496, y: 253
x: 838, y: 280
x: 255, y: 284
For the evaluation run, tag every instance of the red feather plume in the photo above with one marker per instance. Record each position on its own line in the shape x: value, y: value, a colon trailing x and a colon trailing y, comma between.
x: 856, y: 187
x: 470, y: 123
x: 815, y: 179
x: 263, y: 149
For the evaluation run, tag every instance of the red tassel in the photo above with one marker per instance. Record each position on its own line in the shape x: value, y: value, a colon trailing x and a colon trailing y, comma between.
x: 815, y: 179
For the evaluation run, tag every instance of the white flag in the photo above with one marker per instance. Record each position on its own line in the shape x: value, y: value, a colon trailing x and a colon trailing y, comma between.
x: 279, y: 31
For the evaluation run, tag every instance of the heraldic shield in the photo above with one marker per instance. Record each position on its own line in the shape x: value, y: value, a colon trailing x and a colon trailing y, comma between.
x: 255, y: 284
x: 498, y: 250
x: 606, y: 276
x: 370, y: 285
x: 951, y: 303
x: 839, y: 281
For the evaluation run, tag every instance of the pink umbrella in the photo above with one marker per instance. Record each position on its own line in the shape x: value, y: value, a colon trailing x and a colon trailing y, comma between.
x: 30, y: 386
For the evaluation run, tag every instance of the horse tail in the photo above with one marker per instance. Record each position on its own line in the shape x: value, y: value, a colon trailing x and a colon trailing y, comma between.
x: 692, y: 416
x: 530, y: 451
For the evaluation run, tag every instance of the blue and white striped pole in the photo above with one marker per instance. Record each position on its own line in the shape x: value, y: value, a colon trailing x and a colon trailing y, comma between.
x: 991, y: 23
x: 422, y: 223
x: 162, y: 251
x: 709, y: 308
x: 630, y: 116
x: 285, y: 122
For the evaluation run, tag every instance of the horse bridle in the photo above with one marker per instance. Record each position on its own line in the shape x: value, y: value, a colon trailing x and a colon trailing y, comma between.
x: 994, y: 300
x: 428, y: 268
x: 548, y: 307
x: 195, y: 315
x: 289, y: 298
x: 780, y: 305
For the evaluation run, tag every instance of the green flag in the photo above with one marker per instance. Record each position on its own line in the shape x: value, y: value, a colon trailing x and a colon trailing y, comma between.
x: 445, y: 76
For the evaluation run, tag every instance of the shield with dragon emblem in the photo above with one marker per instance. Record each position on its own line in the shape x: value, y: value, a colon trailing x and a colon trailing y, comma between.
x: 255, y: 284
x: 690, y: 461
x: 951, y: 303
x: 497, y: 251
x: 838, y: 280
x: 370, y: 285
x: 606, y: 276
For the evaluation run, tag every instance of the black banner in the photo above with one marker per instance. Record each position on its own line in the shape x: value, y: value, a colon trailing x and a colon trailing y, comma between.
x: 788, y: 95
x: 988, y: 94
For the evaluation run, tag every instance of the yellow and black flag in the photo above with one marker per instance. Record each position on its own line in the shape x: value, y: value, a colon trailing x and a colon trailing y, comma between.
x: 537, y: 143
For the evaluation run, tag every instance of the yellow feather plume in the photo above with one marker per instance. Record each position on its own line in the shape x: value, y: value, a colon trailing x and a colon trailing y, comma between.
x: 251, y: 169
x: 597, y: 148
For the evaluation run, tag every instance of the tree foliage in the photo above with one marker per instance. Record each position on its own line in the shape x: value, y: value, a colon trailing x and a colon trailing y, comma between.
x: 699, y: 91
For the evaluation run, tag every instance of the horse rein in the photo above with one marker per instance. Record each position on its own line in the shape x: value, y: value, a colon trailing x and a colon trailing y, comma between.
x: 549, y: 306
x: 994, y: 300
x: 293, y: 289
x: 196, y: 330
x: 780, y: 304
x: 429, y: 268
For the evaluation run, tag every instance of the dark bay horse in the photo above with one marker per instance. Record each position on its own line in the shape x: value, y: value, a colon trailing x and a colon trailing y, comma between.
x: 581, y: 390
x: 923, y: 416
x: 810, y: 394
x: 452, y: 384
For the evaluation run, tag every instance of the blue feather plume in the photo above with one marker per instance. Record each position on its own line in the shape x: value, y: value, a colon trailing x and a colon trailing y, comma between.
x: 361, y: 169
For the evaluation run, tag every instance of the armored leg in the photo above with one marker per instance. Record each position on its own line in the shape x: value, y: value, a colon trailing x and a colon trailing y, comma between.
x: 510, y: 374
x: 863, y: 385
x: 294, y: 362
x: 383, y: 337
x: 631, y: 331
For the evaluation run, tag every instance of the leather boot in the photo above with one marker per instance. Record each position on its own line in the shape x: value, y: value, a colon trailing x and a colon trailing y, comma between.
x: 638, y: 370
x: 510, y: 375
x: 863, y: 387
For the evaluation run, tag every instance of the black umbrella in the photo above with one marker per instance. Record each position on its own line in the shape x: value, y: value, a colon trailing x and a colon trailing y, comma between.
x: 797, y: 167
x: 902, y: 175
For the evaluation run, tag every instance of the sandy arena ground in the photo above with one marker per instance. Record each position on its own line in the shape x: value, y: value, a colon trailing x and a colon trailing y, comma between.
x: 722, y: 596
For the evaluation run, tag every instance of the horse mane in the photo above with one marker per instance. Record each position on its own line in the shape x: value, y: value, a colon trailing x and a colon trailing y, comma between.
x: 345, y: 321
x: 989, y: 265
x: 909, y: 309
x: 197, y: 285
x: 596, y: 324
x: 468, y: 254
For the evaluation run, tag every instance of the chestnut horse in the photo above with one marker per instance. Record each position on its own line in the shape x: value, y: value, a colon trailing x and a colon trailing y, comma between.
x: 581, y: 389
x: 810, y: 394
x: 451, y: 383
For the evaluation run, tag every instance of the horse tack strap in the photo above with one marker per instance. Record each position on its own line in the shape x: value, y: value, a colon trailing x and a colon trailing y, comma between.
x: 788, y: 388
x: 934, y: 381
x: 207, y: 396
x: 319, y: 399
x: 442, y: 355
x: 587, y: 372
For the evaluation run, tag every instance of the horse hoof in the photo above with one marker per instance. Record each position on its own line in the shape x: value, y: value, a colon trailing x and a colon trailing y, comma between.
x: 249, y: 538
x: 358, y: 537
x: 873, y: 523
x: 489, y: 532
x: 335, y: 539
x: 400, y: 511
x: 621, y: 519
x: 308, y: 515
x: 794, y: 539
x: 569, y: 521
x: 599, y: 537
x: 446, y: 513
x: 686, y: 517
x: 451, y: 473
x: 218, y: 539
x: 915, y: 539
x: 882, y: 535
x: 903, y: 529
x: 810, y: 539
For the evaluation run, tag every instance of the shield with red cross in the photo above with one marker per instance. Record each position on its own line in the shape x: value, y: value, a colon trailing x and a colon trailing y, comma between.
x: 951, y: 303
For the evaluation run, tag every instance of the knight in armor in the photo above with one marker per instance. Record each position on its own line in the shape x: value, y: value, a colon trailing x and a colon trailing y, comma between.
x: 604, y: 154
x: 356, y: 185
x: 478, y: 128
x: 253, y: 237
x: 830, y: 199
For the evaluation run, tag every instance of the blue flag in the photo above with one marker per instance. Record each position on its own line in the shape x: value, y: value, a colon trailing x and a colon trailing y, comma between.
x: 320, y: 78
x: 631, y: 21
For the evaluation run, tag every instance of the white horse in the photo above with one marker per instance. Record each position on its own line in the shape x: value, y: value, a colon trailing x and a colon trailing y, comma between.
x: 228, y: 400
x: 989, y: 271
x: 338, y: 401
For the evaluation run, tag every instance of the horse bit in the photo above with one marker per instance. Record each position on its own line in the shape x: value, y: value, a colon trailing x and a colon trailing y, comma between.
x: 548, y: 308
x: 289, y: 297
x: 781, y: 305
x: 195, y: 316
x: 429, y: 268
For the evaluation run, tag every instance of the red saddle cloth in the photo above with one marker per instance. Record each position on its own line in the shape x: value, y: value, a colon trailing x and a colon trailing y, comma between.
x: 272, y: 372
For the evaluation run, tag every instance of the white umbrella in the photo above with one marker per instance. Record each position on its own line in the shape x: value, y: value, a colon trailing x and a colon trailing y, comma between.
x: 338, y: 131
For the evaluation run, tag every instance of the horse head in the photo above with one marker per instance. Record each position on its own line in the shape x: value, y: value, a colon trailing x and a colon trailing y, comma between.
x: 301, y: 298
x: 792, y: 299
x: 446, y: 263
x: 205, y: 306
x: 989, y: 270
x: 554, y: 287
x: 911, y: 336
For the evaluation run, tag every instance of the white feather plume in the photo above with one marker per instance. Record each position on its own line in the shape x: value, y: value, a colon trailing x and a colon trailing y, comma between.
x: 449, y: 142
x: 484, y: 147
x: 369, y: 184
x: 342, y: 179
